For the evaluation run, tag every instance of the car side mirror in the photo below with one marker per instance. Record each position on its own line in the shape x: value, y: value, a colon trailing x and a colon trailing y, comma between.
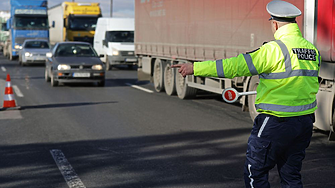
x: 102, y: 55
x: 105, y: 43
x: 53, y: 24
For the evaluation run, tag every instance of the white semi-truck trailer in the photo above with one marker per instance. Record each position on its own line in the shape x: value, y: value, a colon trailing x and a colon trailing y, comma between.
x: 172, y: 31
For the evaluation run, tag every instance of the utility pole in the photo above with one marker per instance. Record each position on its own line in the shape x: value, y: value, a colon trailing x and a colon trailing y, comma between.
x: 111, y: 10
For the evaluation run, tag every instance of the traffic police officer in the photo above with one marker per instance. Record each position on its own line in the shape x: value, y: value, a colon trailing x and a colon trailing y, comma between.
x: 288, y: 70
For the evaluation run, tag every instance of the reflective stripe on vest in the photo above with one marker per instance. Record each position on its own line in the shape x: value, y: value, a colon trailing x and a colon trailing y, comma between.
x: 219, y: 68
x: 250, y: 64
x: 288, y: 67
x: 282, y: 108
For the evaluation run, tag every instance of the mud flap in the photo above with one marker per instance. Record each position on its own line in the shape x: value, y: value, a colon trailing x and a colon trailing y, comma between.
x: 331, y: 136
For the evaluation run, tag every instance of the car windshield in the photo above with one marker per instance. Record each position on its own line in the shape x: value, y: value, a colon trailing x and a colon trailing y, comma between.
x: 120, y: 36
x: 75, y: 50
x: 36, y: 44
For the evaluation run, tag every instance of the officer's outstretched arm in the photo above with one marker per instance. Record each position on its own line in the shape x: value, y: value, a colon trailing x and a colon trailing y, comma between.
x: 248, y: 64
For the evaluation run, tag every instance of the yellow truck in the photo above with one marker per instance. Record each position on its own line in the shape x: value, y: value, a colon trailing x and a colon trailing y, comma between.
x: 72, y: 21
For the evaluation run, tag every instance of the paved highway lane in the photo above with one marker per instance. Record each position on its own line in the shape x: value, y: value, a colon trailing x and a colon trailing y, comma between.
x: 119, y: 136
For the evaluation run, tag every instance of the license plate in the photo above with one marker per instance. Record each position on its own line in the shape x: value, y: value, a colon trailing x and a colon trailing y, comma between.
x: 131, y: 60
x: 38, y: 59
x: 79, y: 74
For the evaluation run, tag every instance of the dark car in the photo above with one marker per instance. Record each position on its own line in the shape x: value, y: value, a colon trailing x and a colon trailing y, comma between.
x: 73, y: 62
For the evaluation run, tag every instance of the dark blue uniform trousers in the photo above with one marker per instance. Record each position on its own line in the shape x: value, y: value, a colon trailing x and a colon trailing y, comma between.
x: 277, y: 141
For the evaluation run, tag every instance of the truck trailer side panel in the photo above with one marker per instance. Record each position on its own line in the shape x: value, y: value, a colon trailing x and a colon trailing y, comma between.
x: 325, y: 42
x: 202, y: 29
x: 56, y: 19
x: 174, y: 31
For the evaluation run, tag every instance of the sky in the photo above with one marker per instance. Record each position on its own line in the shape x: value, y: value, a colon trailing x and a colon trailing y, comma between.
x: 121, y: 8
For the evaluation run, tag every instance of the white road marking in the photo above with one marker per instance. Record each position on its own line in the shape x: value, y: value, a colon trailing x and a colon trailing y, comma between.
x: 70, y: 176
x: 17, y: 91
x: 140, y: 88
x: 10, y: 114
x: 3, y: 68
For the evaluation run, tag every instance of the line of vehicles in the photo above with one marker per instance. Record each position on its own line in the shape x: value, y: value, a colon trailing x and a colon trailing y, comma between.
x: 68, y: 21
x: 168, y: 32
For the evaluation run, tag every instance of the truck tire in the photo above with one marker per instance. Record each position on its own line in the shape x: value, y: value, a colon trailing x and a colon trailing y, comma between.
x: 158, y: 76
x: 108, y: 65
x: 10, y: 56
x: 8, y: 51
x: 331, y: 136
x: 333, y: 121
x: 169, y: 80
x: 254, y: 81
x: 183, y: 90
x: 5, y: 52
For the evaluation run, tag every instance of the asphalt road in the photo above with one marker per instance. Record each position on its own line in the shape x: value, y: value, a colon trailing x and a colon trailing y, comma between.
x: 118, y: 136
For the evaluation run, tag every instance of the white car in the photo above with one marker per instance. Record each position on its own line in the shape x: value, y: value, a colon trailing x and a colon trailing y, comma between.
x: 33, y: 51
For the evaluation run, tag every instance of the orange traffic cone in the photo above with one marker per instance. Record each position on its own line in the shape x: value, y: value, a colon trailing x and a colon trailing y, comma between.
x: 9, y: 100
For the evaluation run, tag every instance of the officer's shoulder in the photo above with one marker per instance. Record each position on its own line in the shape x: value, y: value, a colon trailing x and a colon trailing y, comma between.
x: 269, y: 45
x: 266, y: 45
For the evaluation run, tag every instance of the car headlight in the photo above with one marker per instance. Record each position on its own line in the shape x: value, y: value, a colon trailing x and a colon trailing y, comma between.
x: 17, y: 47
x: 97, y: 67
x: 64, y: 67
x: 27, y: 54
x: 115, y: 52
x: 49, y: 54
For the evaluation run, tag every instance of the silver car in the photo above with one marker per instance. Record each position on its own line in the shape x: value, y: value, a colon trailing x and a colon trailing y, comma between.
x: 33, y: 51
x: 73, y: 62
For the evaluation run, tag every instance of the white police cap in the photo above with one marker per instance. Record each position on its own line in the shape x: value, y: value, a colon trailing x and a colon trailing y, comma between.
x: 282, y: 11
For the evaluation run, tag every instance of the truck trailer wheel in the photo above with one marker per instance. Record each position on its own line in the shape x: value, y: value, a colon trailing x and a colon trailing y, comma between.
x: 5, y: 53
x: 332, y: 127
x: 10, y: 56
x: 169, y: 80
x: 158, y: 76
x: 183, y: 90
x: 254, y: 81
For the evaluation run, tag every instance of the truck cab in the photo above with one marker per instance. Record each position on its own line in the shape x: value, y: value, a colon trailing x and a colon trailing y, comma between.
x: 114, y: 39
x: 72, y: 21
x: 29, y: 19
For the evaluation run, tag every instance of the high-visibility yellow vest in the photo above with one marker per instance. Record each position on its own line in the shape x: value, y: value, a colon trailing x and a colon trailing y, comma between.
x: 288, y: 69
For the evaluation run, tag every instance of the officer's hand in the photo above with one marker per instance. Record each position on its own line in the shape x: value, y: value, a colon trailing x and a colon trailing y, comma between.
x: 184, y: 69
